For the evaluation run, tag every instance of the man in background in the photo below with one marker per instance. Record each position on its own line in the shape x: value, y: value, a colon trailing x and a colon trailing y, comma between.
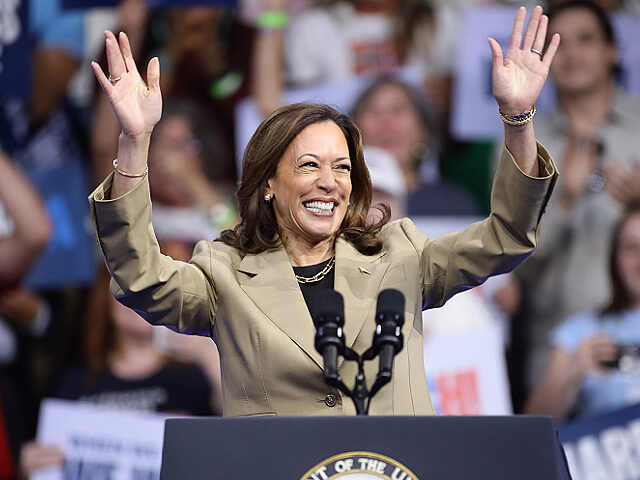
x: 593, y: 136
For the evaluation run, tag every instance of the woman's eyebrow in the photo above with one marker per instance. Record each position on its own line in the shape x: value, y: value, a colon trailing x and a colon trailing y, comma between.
x: 317, y: 157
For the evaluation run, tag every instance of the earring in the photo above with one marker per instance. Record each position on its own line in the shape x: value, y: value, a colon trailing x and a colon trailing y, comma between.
x: 267, y: 198
x: 348, y: 203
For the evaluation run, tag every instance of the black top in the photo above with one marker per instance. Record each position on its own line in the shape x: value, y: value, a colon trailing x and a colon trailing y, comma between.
x: 310, y: 291
x: 176, y: 388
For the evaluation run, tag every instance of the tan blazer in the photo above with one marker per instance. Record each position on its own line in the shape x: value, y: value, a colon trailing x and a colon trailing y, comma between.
x: 254, y: 309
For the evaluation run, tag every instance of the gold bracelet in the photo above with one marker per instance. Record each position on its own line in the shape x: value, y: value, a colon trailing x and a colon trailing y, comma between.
x: 519, y: 119
x: 127, y: 174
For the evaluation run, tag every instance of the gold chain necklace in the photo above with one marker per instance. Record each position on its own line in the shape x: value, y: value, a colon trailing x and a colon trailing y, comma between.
x: 320, y: 275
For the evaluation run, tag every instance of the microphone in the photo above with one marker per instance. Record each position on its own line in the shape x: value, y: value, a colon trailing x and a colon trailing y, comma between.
x: 329, y: 341
x: 387, y: 339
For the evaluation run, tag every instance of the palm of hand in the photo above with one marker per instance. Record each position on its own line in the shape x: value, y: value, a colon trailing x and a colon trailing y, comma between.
x: 137, y: 105
x: 519, y: 82
x: 520, y: 76
x: 138, y: 109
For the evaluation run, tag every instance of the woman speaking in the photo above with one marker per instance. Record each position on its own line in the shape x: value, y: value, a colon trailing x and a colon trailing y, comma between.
x: 303, y: 198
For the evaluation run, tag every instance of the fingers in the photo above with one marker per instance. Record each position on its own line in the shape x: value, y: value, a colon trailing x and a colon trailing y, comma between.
x: 496, y: 53
x: 532, y: 29
x: 101, y: 77
x: 153, y: 75
x: 516, y: 33
x: 125, y: 48
x: 541, y: 34
x: 34, y: 456
x: 551, y: 50
x: 117, y: 66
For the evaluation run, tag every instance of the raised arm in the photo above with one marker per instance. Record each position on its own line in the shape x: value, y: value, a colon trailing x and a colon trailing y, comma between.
x: 163, y: 291
x: 518, y: 79
x: 138, y: 106
x: 31, y: 225
x: 267, y: 60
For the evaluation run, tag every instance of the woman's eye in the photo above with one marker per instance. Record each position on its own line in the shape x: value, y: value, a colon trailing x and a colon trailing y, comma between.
x: 345, y: 167
x: 309, y: 164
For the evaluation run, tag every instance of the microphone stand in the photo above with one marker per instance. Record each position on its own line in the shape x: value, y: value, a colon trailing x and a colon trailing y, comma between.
x: 360, y: 395
x: 330, y: 343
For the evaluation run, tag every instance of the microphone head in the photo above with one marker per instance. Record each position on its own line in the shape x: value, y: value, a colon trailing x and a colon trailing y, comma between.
x: 328, y: 307
x: 390, y: 305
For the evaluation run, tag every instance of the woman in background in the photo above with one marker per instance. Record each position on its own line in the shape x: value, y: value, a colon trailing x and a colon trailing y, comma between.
x: 594, y: 366
x: 395, y: 117
x: 125, y: 369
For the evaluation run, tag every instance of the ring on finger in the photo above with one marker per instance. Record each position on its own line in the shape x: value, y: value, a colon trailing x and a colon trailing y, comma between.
x: 537, y: 52
x: 114, y: 80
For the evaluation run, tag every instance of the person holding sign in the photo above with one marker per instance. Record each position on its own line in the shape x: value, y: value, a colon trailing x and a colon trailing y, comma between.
x: 303, y: 200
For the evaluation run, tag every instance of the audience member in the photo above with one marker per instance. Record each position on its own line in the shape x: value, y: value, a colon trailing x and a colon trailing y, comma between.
x: 336, y: 40
x: 393, y: 116
x: 387, y: 183
x: 622, y: 6
x: 204, y: 53
x: 595, y: 362
x: 29, y: 225
x: 188, y: 206
x: 123, y: 369
x: 26, y: 229
x: 593, y: 136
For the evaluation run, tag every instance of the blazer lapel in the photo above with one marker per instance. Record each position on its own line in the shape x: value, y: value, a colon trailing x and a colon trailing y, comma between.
x: 358, y: 279
x: 271, y: 284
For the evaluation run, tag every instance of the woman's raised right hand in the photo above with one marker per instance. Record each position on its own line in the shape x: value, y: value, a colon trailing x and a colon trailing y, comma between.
x: 138, y: 105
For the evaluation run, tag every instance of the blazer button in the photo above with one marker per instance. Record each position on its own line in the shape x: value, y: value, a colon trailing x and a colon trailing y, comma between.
x: 330, y: 400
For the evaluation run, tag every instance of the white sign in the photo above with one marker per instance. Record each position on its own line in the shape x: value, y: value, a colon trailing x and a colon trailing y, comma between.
x: 101, y: 443
x: 466, y: 371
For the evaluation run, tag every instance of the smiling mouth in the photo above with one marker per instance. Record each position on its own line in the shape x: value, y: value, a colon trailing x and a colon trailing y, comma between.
x: 320, y: 207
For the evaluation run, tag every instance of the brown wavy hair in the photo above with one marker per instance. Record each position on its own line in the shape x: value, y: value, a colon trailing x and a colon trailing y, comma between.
x: 99, y: 334
x: 258, y: 230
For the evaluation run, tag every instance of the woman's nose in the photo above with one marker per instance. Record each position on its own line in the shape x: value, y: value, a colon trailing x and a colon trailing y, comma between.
x: 326, y: 179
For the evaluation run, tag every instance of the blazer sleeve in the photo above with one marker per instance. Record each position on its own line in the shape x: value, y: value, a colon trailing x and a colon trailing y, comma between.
x: 164, y: 291
x: 459, y: 261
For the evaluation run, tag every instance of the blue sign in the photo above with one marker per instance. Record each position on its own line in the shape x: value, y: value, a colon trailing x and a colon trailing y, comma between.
x: 604, y: 447
x: 69, y: 4
x: 68, y: 258
x: 14, y: 50
x: 53, y: 159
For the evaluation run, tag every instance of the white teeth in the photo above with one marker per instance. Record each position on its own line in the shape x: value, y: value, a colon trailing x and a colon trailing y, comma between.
x: 319, y: 207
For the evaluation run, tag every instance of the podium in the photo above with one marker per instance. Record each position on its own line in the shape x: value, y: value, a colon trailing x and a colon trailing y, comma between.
x: 397, y: 448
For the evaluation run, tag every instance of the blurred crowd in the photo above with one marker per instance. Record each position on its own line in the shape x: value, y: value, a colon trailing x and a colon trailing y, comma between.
x: 573, y: 308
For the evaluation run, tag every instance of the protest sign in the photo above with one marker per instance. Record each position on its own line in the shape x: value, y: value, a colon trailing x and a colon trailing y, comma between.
x: 604, y: 447
x: 100, y: 442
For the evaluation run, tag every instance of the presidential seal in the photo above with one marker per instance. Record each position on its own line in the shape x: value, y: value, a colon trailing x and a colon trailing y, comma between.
x: 359, y: 466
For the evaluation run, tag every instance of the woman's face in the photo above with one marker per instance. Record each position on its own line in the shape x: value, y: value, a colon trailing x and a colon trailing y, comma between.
x: 628, y: 256
x: 312, y: 185
x: 389, y: 120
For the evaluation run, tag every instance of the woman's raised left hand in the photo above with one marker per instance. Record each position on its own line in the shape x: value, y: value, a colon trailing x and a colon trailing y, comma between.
x: 519, y: 77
